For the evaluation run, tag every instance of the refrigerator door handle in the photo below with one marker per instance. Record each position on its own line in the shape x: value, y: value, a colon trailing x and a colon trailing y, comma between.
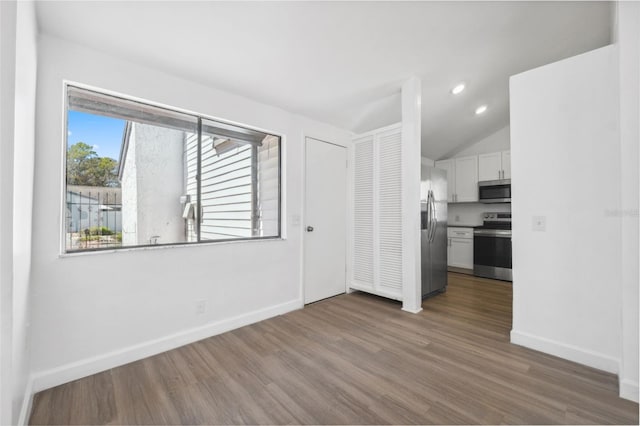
x: 434, y: 221
x: 428, y: 228
x: 435, y: 217
x: 424, y: 216
x: 430, y: 216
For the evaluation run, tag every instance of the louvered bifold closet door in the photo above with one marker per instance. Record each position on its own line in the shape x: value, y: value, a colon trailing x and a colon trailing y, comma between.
x: 362, y: 250
x: 376, y: 227
x: 390, y: 212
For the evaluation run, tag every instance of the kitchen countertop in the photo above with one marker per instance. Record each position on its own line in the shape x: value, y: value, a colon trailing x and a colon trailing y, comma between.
x: 463, y: 226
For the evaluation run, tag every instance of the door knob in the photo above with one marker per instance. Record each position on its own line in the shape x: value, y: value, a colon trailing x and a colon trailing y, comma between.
x: 309, y: 228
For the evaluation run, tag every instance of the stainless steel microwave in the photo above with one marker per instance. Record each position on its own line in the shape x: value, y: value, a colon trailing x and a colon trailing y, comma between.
x: 495, y: 191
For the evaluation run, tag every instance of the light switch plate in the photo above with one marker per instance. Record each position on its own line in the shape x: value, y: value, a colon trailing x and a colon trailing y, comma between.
x: 539, y: 223
x: 295, y: 220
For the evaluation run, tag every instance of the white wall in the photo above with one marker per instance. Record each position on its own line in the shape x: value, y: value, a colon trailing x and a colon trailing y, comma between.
x: 498, y: 141
x: 379, y: 113
x: 460, y: 214
x: 628, y: 39
x: 26, y: 61
x: 427, y: 161
x: 7, y: 124
x: 565, y: 156
x: 143, y: 301
x: 17, y: 119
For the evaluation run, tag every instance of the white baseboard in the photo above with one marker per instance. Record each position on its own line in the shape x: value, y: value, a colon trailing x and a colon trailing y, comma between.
x: 86, y: 367
x: 629, y: 390
x: 572, y: 353
x: 411, y: 310
x: 27, y: 403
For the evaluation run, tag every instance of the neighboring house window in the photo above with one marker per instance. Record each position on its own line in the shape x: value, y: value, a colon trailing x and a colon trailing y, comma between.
x: 140, y: 175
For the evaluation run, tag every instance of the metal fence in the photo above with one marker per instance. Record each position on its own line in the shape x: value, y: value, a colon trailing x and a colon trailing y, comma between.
x: 93, y: 217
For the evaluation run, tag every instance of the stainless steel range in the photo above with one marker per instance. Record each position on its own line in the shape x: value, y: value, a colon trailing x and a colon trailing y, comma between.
x: 492, y: 247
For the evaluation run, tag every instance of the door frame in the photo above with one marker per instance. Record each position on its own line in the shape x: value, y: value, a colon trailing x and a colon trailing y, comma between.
x: 303, y: 218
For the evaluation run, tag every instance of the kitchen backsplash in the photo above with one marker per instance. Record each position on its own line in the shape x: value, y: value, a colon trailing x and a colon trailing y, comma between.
x: 471, y: 213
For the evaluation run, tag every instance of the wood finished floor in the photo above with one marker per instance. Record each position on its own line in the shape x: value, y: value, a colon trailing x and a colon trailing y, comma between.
x: 352, y: 359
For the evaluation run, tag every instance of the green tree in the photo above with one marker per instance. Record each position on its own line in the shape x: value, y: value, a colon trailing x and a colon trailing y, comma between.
x: 84, y: 167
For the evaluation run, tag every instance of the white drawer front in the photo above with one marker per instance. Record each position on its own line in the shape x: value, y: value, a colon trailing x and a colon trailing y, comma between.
x: 453, y: 232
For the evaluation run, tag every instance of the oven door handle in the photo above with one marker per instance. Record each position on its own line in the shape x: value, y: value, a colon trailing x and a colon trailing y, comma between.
x: 492, y: 233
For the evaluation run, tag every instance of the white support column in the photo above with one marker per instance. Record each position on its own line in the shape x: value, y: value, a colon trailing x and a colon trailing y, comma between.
x: 411, y: 151
x: 7, y: 108
x: 628, y: 34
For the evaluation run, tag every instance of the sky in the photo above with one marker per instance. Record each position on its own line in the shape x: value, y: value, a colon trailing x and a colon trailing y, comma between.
x: 103, y: 133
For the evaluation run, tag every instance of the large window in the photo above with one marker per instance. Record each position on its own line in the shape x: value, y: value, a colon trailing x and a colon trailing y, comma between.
x: 140, y: 175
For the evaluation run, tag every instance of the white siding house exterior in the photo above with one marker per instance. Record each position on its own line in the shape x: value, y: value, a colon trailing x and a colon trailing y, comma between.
x: 159, y: 165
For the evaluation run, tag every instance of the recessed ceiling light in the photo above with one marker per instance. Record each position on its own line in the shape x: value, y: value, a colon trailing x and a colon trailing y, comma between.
x: 458, y: 89
x: 481, y: 109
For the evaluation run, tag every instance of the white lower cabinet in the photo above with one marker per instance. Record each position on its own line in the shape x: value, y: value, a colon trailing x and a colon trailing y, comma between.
x: 460, y: 247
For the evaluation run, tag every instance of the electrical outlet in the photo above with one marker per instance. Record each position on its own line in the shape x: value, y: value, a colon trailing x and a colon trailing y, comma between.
x: 457, y: 218
x: 201, y: 307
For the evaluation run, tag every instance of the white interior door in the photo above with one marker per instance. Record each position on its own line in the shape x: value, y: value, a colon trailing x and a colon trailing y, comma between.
x: 325, y: 220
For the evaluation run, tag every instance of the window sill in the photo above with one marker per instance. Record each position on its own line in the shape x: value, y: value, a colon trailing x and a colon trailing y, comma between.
x: 168, y: 246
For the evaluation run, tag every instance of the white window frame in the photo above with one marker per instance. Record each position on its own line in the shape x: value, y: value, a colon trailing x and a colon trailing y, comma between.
x: 281, y: 236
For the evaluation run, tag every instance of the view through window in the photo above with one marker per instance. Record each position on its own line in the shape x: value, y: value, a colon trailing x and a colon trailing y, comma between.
x: 140, y: 175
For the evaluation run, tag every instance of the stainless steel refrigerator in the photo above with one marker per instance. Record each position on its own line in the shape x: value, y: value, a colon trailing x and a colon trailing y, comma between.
x: 433, y: 206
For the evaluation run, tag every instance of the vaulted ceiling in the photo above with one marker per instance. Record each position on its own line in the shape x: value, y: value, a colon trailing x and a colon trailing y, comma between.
x: 344, y: 62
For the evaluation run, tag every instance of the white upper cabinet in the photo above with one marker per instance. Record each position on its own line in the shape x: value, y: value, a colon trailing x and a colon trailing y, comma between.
x: 506, y: 164
x: 493, y: 166
x: 462, y: 178
x: 450, y: 167
x: 466, y: 179
x: 489, y: 166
